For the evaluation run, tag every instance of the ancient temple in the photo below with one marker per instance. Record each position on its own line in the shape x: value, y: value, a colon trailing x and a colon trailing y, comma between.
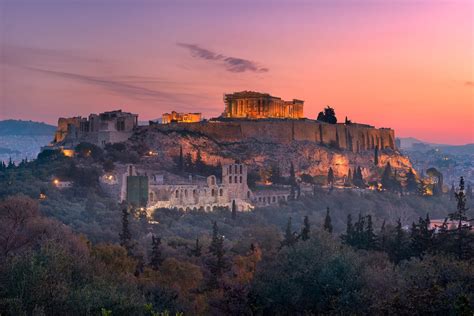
x: 256, y: 105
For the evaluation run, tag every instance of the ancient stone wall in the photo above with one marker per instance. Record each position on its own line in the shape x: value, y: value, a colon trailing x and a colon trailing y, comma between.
x: 354, y: 137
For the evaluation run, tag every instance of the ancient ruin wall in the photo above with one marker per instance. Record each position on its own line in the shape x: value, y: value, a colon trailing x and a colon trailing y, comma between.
x: 352, y: 137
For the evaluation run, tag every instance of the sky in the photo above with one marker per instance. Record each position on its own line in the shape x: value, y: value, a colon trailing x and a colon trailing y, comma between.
x: 404, y: 64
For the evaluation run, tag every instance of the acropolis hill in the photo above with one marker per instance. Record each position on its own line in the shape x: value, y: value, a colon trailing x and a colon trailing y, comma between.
x: 255, y: 128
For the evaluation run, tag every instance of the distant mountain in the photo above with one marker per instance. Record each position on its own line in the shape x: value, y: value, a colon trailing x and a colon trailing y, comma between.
x: 25, y: 128
x: 407, y: 144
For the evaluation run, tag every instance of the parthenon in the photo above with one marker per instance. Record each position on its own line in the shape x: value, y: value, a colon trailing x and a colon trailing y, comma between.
x: 255, y: 105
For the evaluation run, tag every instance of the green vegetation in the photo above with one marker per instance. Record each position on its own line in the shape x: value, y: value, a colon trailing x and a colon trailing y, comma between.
x: 338, y: 251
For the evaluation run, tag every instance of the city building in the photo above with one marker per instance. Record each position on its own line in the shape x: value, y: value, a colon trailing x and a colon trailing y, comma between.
x: 180, y: 117
x: 256, y: 105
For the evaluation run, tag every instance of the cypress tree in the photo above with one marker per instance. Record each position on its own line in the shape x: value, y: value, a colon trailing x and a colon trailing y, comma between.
x: 452, y: 192
x: 376, y: 155
x: 412, y: 184
x: 181, y: 159
x: 188, y: 163
x: 292, y: 175
x: 387, y: 177
x: 156, y: 257
x: 216, y: 248
x: 398, y: 248
x: 125, y: 236
x: 327, y: 222
x: 330, y: 176
x: 370, y: 237
x: 199, y: 164
x: 289, y: 239
x: 234, y: 210
x: 197, y: 249
x: 382, y: 238
x: 306, y: 229
x: 348, y: 237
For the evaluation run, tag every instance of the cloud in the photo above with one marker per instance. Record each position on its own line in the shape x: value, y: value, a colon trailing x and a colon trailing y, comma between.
x: 121, y: 87
x: 469, y: 83
x: 60, y: 64
x: 231, y: 64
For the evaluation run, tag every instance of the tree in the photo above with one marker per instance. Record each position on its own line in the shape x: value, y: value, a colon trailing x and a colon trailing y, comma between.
x: 370, y: 237
x: 388, y: 178
x: 199, y: 164
x: 412, y: 183
x: 156, y: 257
x: 196, y: 251
x: 421, y: 237
x: 397, y: 249
x: 462, y: 237
x: 216, y: 249
x: 358, y: 179
x: 327, y: 222
x: 234, y: 210
x: 328, y: 115
x: 181, y: 159
x: 306, y: 229
x: 188, y: 163
x: 292, y: 174
x: 348, y: 237
x: 330, y: 176
x: 452, y: 192
x: 376, y: 155
x: 290, y: 238
x: 126, y: 236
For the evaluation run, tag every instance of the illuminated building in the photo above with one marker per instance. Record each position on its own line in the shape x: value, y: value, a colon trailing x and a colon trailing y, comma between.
x: 180, y: 117
x: 256, y: 105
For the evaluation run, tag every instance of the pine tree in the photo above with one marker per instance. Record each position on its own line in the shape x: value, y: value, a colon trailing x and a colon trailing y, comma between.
x: 376, y: 156
x: 306, y: 229
x: 126, y: 236
x: 327, y: 222
x: 463, y: 239
x: 421, y: 237
x: 156, y: 257
x: 330, y: 176
x: 234, y: 210
x: 397, y: 251
x: 11, y: 164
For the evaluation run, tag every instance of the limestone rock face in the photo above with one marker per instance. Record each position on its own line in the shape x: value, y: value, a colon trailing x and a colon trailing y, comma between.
x: 307, y: 156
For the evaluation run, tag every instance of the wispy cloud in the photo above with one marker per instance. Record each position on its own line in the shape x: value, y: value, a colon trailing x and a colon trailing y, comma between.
x: 469, y: 83
x: 63, y: 64
x: 231, y: 64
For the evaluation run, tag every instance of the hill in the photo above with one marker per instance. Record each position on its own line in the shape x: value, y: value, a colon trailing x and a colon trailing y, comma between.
x: 26, y: 128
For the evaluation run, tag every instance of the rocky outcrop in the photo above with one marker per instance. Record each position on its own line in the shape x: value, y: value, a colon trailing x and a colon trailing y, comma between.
x: 310, y: 157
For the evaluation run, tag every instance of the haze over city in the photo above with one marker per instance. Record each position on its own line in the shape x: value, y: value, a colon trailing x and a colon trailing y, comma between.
x: 401, y: 64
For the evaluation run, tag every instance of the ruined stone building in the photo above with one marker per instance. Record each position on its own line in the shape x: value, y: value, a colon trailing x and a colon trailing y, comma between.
x: 194, y: 194
x: 256, y: 105
x: 98, y: 129
x: 180, y: 117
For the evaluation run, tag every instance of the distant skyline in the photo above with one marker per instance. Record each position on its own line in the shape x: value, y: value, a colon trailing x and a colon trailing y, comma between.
x: 404, y: 64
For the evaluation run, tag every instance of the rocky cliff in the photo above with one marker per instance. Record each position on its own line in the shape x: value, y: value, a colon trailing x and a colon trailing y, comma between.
x: 308, y: 155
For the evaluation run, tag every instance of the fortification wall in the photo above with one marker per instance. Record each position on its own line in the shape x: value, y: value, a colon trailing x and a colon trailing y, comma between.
x: 352, y: 137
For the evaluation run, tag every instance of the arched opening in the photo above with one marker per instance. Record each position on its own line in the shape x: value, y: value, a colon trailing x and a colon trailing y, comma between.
x: 221, y: 192
x: 230, y: 179
x: 177, y: 194
x: 248, y: 194
x: 240, y: 179
x: 241, y: 169
x: 208, y: 208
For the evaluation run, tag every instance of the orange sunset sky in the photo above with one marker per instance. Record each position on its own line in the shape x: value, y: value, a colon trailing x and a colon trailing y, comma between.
x: 402, y: 64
